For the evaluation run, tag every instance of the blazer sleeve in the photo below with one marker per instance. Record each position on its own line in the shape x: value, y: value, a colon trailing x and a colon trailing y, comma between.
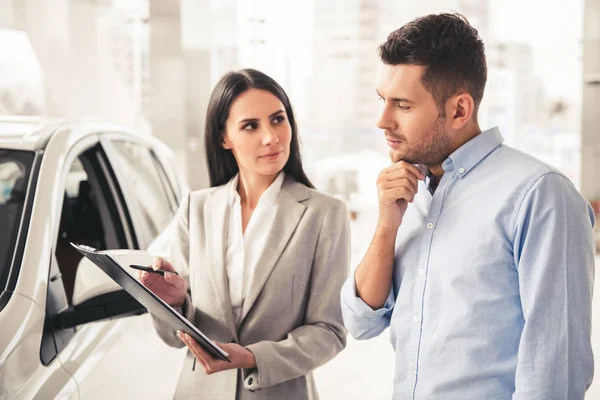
x: 178, y: 255
x: 323, y: 335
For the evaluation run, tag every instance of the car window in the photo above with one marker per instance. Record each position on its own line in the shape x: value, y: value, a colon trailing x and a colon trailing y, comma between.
x: 168, y: 186
x: 92, y: 213
x: 146, y: 190
x: 86, y: 217
x: 14, y: 175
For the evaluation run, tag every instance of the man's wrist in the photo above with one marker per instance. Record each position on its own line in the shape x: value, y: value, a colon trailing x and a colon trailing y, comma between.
x: 385, y: 228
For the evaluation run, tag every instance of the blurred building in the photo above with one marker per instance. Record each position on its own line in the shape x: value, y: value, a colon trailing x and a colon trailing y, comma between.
x: 344, y: 43
x: 510, y: 97
x: 89, y: 54
x: 478, y: 14
x: 590, y: 140
x: 22, y: 84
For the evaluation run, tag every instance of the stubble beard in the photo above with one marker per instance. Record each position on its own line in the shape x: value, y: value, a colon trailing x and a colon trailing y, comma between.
x: 432, y: 149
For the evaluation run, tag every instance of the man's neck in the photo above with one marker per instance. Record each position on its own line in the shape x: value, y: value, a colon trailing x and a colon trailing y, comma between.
x: 461, y: 137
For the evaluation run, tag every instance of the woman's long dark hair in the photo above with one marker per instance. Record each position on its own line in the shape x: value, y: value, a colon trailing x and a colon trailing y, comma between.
x: 221, y: 162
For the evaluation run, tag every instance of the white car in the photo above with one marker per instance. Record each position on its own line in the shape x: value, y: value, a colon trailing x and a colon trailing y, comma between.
x: 66, y: 329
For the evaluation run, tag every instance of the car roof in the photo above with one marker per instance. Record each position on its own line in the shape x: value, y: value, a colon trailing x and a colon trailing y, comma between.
x: 34, y: 133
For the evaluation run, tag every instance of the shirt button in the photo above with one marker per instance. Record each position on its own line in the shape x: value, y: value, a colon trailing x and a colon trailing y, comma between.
x: 421, y: 272
x: 412, y: 366
x: 461, y: 170
x: 430, y: 225
x: 417, y: 318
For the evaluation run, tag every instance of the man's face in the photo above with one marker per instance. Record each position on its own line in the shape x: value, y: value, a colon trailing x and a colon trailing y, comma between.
x: 414, y: 129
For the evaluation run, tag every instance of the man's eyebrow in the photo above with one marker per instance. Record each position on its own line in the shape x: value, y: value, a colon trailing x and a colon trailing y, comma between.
x: 396, y: 99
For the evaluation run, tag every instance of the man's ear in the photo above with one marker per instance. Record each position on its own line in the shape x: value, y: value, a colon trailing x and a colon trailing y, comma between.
x: 460, y: 109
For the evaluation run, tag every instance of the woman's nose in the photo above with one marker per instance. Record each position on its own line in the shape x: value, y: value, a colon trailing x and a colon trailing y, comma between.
x: 270, y: 136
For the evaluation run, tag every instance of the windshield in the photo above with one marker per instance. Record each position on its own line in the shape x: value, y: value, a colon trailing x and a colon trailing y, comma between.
x: 15, y: 168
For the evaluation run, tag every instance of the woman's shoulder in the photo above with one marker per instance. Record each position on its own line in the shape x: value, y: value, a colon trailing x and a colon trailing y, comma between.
x: 331, y: 211
x: 200, y: 195
x: 324, y: 198
x: 310, y: 196
x: 324, y: 202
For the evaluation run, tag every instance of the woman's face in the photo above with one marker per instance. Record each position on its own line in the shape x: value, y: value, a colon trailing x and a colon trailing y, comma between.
x: 258, y: 133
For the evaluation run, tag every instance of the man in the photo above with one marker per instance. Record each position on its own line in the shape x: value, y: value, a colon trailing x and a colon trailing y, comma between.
x: 486, y: 278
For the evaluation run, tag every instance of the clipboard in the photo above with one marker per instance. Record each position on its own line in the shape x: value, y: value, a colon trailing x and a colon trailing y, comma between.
x: 155, y: 305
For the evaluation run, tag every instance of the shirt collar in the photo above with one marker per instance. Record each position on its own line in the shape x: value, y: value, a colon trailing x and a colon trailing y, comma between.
x: 467, y: 156
x: 269, y: 196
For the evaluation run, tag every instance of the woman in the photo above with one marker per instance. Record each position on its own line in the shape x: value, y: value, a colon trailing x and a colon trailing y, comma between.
x: 264, y: 253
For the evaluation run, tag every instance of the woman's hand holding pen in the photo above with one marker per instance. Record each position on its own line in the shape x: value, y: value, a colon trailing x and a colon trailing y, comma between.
x: 170, y: 287
x: 240, y: 357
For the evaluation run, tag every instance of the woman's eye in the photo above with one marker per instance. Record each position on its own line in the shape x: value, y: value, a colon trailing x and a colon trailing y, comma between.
x: 278, y: 119
x: 250, y: 126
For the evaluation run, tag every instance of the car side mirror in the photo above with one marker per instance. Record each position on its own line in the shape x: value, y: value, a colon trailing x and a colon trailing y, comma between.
x: 97, y: 297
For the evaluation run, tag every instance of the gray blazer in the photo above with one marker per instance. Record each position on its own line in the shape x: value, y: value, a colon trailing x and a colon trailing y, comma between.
x: 291, y: 317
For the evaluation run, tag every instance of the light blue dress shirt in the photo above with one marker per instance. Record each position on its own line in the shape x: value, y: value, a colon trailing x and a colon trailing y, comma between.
x: 492, y: 286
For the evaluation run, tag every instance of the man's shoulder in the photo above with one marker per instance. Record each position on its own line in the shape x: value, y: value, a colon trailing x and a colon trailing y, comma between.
x: 518, y: 166
x: 527, y: 163
x: 532, y: 178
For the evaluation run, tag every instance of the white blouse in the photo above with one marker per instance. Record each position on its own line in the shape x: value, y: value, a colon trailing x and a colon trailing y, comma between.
x: 244, y: 250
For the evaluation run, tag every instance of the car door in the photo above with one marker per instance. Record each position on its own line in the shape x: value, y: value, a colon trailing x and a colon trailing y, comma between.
x: 113, y: 358
x: 22, y: 374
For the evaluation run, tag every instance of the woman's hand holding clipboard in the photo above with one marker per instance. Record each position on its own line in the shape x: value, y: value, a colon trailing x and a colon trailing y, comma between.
x: 167, y: 284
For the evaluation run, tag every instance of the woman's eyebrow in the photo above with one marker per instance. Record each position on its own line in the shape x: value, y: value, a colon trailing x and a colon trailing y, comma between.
x: 245, y: 120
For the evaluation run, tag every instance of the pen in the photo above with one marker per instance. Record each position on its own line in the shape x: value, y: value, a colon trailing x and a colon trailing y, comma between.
x: 148, y: 269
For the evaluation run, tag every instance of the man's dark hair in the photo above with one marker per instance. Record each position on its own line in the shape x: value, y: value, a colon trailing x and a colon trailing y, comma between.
x: 450, y: 49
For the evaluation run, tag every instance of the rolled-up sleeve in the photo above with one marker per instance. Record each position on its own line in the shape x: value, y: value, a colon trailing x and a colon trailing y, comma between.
x: 554, y: 254
x: 360, y: 319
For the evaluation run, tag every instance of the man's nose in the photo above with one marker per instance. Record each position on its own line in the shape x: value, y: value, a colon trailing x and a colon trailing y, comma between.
x: 386, y: 121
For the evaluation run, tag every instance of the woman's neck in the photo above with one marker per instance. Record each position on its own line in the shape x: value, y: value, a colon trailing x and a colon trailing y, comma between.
x: 252, y: 186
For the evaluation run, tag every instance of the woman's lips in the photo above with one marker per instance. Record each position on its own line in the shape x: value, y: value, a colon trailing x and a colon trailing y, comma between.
x: 271, y: 156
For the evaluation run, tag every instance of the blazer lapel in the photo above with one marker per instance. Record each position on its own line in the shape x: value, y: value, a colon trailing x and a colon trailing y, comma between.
x: 216, y: 211
x: 288, y: 213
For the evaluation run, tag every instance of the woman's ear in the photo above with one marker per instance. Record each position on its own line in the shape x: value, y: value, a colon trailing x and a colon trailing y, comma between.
x: 226, y: 143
